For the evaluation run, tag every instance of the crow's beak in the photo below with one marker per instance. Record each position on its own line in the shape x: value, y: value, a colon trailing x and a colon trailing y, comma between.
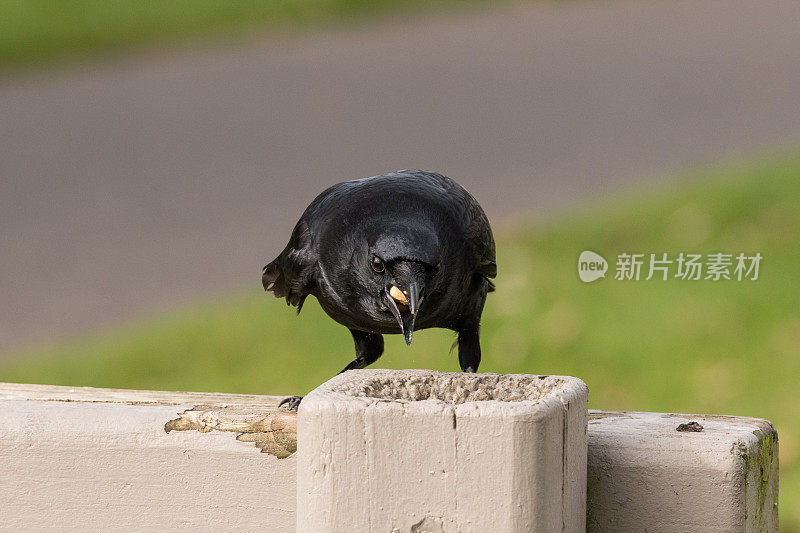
x: 404, y: 300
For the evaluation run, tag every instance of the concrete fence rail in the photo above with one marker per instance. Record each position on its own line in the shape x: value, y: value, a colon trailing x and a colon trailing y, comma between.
x: 400, y: 451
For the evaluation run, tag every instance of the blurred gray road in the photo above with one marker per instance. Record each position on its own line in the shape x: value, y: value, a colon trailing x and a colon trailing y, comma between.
x: 128, y: 187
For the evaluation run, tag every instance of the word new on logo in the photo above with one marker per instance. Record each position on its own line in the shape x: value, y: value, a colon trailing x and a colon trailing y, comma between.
x: 591, y: 266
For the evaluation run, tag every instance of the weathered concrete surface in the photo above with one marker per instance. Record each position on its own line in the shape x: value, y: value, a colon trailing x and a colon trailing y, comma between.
x: 127, y: 187
x: 646, y: 475
x: 383, y: 450
x: 100, y: 459
x: 80, y: 459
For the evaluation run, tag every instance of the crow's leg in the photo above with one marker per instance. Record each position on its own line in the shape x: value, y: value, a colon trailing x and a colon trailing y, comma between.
x: 369, y: 346
x: 469, y: 349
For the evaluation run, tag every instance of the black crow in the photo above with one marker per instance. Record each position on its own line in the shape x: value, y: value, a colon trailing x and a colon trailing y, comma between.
x: 393, y: 253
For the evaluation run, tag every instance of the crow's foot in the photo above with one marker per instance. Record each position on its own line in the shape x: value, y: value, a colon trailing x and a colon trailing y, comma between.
x: 292, y: 401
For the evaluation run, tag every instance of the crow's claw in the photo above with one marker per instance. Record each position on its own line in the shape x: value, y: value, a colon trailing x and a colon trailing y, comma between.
x: 292, y: 401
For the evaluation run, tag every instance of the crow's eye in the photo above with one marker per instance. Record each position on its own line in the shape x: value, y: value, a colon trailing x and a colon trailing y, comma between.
x: 377, y: 264
x: 437, y: 268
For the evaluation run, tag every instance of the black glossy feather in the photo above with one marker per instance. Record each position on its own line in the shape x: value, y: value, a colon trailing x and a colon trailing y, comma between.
x: 424, y: 229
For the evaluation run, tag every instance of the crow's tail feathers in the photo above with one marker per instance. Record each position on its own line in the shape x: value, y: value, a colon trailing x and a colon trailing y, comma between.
x: 293, y: 288
x: 273, y: 279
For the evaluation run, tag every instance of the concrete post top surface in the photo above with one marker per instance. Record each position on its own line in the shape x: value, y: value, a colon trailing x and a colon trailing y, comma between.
x: 714, y: 431
x: 522, y: 391
x: 251, y: 418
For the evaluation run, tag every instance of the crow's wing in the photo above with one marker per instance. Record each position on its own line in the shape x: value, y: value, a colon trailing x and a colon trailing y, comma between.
x: 476, y: 226
x: 479, y: 233
x: 292, y: 273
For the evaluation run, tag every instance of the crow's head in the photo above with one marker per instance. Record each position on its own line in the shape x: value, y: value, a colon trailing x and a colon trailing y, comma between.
x: 399, y: 265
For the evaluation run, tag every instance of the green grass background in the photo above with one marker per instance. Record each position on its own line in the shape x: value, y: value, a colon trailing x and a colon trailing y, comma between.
x: 728, y: 347
x: 36, y: 31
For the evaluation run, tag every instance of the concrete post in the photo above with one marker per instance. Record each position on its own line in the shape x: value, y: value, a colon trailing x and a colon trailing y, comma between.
x: 104, y: 459
x: 672, y: 473
x: 83, y: 459
x: 415, y: 450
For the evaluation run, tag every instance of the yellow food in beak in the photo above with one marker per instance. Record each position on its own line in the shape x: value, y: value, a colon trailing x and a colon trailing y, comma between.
x: 398, y: 295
